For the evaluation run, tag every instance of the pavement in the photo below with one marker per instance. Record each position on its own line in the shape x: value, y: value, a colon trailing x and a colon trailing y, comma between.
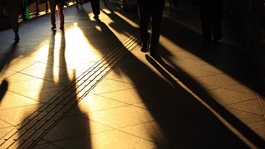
x: 90, y: 86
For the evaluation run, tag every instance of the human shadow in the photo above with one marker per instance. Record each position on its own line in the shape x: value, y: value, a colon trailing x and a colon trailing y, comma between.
x: 5, y: 60
x: 104, y: 33
x: 167, y: 70
x: 225, y: 55
x: 3, y: 88
x: 57, y: 97
x: 131, y: 16
x: 177, y: 118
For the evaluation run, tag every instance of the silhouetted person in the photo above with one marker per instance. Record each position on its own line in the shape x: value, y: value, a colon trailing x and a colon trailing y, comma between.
x: 60, y: 5
x: 13, y: 9
x: 150, y: 12
x: 95, y: 8
x: 211, y: 18
x: 175, y: 2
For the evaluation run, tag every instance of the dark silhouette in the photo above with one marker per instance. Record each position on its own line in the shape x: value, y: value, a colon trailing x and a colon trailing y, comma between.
x: 78, y: 2
x: 3, y: 65
x: 211, y: 18
x: 175, y: 2
x: 3, y: 88
x: 150, y: 13
x: 60, y: 4
x: 96, y: 8
x: 12, y: 8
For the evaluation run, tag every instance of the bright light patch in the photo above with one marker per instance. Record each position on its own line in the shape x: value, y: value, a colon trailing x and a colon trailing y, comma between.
x: 98, y: 28
x: 106, y: 11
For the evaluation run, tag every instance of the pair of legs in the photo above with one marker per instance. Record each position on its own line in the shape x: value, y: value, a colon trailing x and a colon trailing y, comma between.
x: 12, y: 9
x: 153, y: 17
x: 60, y: 7
x: 211, y: 16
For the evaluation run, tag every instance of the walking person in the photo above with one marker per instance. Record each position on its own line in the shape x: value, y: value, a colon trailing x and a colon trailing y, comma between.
x: 12, y: 9
x: 151, y: 13
x: 211, y: 19
x: 60, y: 5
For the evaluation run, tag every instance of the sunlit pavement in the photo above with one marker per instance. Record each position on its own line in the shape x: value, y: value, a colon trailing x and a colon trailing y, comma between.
x: 90, y: 86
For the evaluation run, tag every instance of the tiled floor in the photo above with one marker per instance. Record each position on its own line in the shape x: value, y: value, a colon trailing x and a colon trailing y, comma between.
x: 91, y: 87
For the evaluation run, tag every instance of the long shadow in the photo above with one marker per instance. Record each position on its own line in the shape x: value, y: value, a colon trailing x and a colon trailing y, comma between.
x: 3, y: 89
x: 61, y: 131
x: 130, y: 15
x: 226, y: 56
x: 182, y: 120
x: 165, y: 69
x: 5, y: 60
x: 105, y: 34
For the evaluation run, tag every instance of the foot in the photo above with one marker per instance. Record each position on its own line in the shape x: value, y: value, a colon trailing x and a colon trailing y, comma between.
x: 96, y: 17
x: 53, y: 28
x: 144, y: 48
x: 16, y: 37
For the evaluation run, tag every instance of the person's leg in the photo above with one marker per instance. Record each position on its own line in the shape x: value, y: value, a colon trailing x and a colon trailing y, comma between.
x: 52, y: 15
x: 144, y: 15
x: 14, y: 23
x: 61, y: 15
x: 217, y: 23
x: 206, y: 27
x: 156, y: 26
x: 95, y: 8
x: 12, y: 9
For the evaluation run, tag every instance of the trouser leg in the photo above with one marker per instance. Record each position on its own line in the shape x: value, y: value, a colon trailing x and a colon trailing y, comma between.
x: 156, y: 26
x: 61, y: 14
x: 95, y: 7
x: 52, y: 14
x: 144, y: 23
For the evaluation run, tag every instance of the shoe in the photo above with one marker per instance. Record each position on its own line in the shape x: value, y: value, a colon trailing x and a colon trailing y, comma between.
x: 144, y: 48
x: 16, y: 37
x: 53, y: 28
x: 96, y: 17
